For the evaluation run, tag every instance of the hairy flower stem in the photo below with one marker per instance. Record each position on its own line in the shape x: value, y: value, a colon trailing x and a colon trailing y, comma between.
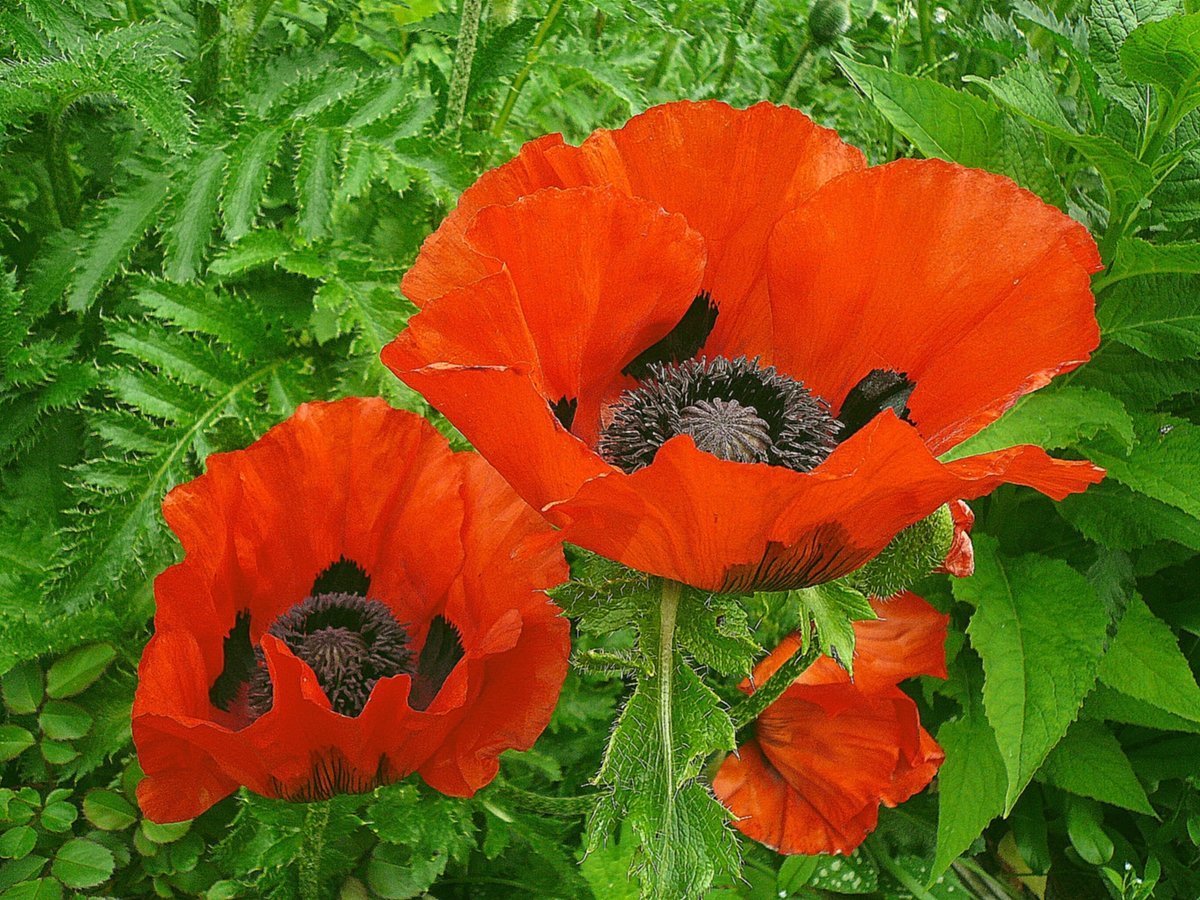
x: 667, y: 609
x: 464, y: 56
x: 542, y: 804
x: 772, y: 689
x: 729, y: 60
x: 792, y: 85
x: 311, y: 848
x: 514, y: 91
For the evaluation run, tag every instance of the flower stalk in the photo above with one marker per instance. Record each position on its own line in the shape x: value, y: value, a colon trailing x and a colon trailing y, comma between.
x: 316, y: 818
x: 772, y: 689
x: 464, y: 56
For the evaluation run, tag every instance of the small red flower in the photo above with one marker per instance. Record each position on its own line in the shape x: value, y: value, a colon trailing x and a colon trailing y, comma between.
x: 355, y: 603
x: 714, y: 346
x: 829, y: 751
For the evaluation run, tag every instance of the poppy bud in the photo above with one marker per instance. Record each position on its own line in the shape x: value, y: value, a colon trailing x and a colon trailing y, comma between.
x: 828, y: 20
x: 913, y: 553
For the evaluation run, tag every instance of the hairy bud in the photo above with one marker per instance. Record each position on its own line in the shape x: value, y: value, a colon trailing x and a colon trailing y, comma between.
x: 912, y: 554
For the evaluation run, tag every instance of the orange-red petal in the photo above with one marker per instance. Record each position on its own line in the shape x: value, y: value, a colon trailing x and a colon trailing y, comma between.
x: 973, y: 287
x: 960, y: 558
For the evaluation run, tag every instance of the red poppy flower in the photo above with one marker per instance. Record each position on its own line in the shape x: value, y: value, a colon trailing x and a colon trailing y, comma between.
x: 829, y: 751
x: 716, y: 347
x: 355, y: 603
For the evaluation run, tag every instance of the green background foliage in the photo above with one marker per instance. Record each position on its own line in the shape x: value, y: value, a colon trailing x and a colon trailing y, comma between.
x: 205, y: 210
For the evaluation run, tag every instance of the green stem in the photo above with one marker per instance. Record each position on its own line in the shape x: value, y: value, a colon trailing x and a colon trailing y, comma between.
x: 311, y: 849
x: 514, y: 91
x: 659, y: 72
x: 667, y: 610
x: 772, y: 689
x: 925, y: 25
x: 793, y: 81
x: 208, y: 50
x: 464, y: 56
x: 883, y: 858
x: 729, y: 61
x: 562, y: 807
x: 58, y: 165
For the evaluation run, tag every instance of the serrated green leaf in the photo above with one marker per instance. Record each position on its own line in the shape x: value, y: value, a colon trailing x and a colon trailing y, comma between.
x: 1136, y: 257
x: 79, y: 670
x: 1164, y: 463
x: 1089, y: 761
x: 119, y: 225
x: 59, y: 816
x: 23, y: 688
x: 62, y: 720
x: 715, y: 630
x: 14, y: 740
x: 108, y: 810
x: 81, y: 863
x: 1145, y: 662
x: 315, y: 177
x: 972, y: 784
x: 17, y: 843
x: 1158, y: 316
x: 1110, y: 22
x: 250, y: 164
x: 41, y: 889
x: 1040, y: 630
x: 57, y: 753
x: 833, y: 608
x: 958, y: 126
x: 1166, y: 53
x: 190, y: 231
x: 1053, y: 419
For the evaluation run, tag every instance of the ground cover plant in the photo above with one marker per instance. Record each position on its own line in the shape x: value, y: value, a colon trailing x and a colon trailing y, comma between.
x: 208, y: 207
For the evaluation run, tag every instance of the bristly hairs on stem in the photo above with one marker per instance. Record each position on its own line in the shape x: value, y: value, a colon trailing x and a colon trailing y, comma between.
x: 464, y: 56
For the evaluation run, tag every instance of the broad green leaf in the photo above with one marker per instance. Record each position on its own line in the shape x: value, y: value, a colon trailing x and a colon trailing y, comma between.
x: 1166, y: 53
x: 1089, y: 761
x: 853, y: 874
x: 1158, y: 316
x: 1040, y: 630
x: 1052, y: 419
x: 958, y: 126
x: 1144, y: 662
x: 57, y: 753
x: 165, y: 834
x: 23, y: 688
x: 40, y: 889
x: 1137, y: 379
x: 14, y: 740
x: 1085, y: 828
x: 62, y: 720
x: 1105, y: 704
x: 1026, y: 88
x: 108, y: 810
x: 1164, y: 463
x: 59, y: 816
x: 714, y: 629
x: 1110, y: 22
x: 972, y: 784
x: 1122, y: 519
x: 23, y: 870
x: 1137, y: 257
x: 81, y: 863
x: 79, y: 670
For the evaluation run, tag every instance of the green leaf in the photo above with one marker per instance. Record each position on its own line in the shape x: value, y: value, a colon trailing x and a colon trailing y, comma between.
x: 1144, y: 662
x: 1158, y: 316
x: 59, y: 816
x: 58, y: 753
x: 1166, y: 53
x: 1085, y: 828
x: 190, y: 231
x: 1163, y: 464
x: 833, y: 608
x: 972, y: 784
x: 315, y: 178
x: 250, y: 164
x: 81, y: 863
x: 17, y: 843
x: 118, y: 227
x: 62, y: 720
x: 79, y: 670
x: 1110, y: 22
x: 14, y: 740
x: 1122, y: 519
x: 957, y: 126
x: 1137, y: 257
x: 853, y: 874
x: 41, y: 889
x: 165, y: 834
x: 23, y: 870
x: 1040, y: 630
x: 715, y: 630
x: 108, y: 810
x: 1089, y: 761
x: 23, y: 688
x: 1054, y: 419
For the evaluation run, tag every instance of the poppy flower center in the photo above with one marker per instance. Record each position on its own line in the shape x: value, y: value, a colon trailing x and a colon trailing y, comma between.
x: 734, y: 409
x: 348, y: 641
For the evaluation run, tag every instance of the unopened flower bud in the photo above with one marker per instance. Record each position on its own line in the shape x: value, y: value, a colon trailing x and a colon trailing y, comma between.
x: 912, y: 554
x: 828, y: 20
